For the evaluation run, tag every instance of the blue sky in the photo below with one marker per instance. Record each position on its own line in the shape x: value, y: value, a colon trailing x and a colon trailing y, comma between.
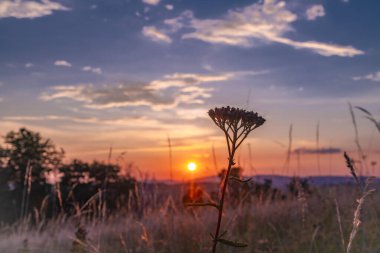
x: 90, y: 74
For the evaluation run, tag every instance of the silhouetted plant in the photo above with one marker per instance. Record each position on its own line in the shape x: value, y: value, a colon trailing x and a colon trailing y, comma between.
x: 236, y: 124
x: 369, y: 116
x: 235, y: 188
x: 365, y: 192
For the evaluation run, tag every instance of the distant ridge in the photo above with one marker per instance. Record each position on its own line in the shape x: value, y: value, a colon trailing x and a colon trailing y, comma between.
x: 279, y: 181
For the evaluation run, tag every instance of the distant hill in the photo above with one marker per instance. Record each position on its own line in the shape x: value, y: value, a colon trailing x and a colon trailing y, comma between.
x: 281, y: 181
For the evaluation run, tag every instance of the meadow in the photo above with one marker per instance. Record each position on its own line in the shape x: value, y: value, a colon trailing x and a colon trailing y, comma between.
x: 322, y: 222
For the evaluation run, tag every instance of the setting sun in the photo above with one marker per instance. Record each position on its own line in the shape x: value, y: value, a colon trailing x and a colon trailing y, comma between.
x: 192, y: 166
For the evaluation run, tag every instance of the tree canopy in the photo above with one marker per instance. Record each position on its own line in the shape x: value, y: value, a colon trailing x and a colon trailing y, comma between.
x: 27, y: 148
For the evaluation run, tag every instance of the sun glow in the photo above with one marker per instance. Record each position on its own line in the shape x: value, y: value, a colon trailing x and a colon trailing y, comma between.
x: 191, y: 166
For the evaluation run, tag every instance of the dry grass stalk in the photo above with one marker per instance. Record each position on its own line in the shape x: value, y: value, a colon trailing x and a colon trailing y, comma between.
x: 357, y: 214
x: 313, y: 238
x: 286, y: 166
x: 362, y: 156
x: 317, y: 146
x: 26, y: 190
x: 365, y: 192
x: 340, y: 224
x: 370, y: 117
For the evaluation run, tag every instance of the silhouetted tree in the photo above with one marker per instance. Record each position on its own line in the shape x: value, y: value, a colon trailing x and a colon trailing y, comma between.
x: 31, y: 170
x: 24, y: 158
x: 25, y: 147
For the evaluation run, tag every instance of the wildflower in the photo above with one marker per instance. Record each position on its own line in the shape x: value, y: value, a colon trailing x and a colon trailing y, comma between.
x: 236, y: 124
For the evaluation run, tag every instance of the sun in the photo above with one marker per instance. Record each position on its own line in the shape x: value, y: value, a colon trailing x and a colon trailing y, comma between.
x: 192, y: 166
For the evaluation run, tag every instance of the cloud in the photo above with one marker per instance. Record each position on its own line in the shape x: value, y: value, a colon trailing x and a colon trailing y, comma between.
x: 1, y: 99
x: 169, y: 7
x: 185, y: 79
x: 183, y: 20
x: 92, y: 69
x: 130, y: 121
x: 321, y: 48
x: 166, y: 93
x: 62, y: 63
x: 151, y: 2
x: 70, y: 128
x: 322, y: 151
x: 191, y: 114
x: 375, y: 77
x: 29, y: 65
x: 156, y: 35
x: 29, y: 9
x: 264, y: 22
x: 125, y: 95
x: 191, y: 79
x: 315, y: 12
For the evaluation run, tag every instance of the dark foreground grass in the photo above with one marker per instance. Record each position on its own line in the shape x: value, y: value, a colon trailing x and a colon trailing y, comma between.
x: 288, y: 226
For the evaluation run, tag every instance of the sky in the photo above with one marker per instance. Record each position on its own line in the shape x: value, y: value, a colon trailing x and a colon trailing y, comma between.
x: 129, y: 74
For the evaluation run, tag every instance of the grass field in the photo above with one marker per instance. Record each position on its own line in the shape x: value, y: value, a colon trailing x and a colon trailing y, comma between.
x: 293, y: 225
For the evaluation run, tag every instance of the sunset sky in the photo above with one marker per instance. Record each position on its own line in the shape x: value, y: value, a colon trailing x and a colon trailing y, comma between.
x: 91, y: 74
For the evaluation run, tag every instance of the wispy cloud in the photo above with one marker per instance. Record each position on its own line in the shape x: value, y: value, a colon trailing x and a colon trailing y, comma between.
x: 268, y: 22
x: 166, y: 93
x: 151, y: 2
x: 322, y: 151
x: 29, y: 65
x: 92, y: 69
x: 372, y: 77
x: 315, y: 12
x: 62, y: 63
x: 130, y: 121
x: 321, y: 48
x: 187, y: 79
x: 29, y: 9
x: 124, y: 95
x: 154, y: 34
x: 87, y: 128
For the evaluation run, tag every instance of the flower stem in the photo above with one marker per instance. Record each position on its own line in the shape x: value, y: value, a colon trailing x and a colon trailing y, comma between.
x: 221, y: 203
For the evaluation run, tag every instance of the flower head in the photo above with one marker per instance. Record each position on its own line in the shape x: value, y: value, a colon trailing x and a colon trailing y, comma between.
x: 236, y: 124
x: 234, y: 119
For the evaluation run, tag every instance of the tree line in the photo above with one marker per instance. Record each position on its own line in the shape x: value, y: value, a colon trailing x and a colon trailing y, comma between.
x: 34, y: 179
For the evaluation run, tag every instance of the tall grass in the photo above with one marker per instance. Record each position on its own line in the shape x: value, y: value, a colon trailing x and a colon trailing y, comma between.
x: 268, y: 227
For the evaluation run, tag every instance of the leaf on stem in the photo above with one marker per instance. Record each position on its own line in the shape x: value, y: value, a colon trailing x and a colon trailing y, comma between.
x: 232, y: 243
